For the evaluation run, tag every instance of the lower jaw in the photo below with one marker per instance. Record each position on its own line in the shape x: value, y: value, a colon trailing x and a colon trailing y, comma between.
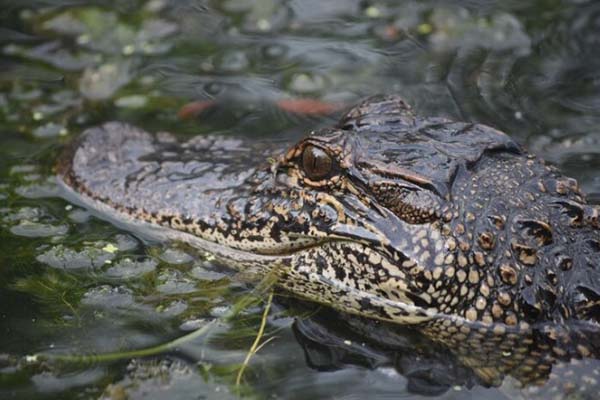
x: 156, y: 233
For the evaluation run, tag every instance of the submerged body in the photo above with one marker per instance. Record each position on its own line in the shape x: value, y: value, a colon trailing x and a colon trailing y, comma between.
x: 447, y: 226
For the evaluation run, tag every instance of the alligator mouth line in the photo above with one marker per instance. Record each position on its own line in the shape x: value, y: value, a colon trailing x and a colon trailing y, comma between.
x: 155, y: 232
x: 259, y: 262
x: 311, y: 243
x: 289, y: 251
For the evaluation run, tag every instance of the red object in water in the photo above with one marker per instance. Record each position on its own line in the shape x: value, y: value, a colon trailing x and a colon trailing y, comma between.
x: 391, y: 32
x: 308, y: 106
x: 195, y: 108
x: 296, y: 106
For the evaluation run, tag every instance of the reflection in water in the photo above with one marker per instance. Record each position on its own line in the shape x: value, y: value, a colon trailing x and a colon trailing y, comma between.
x: 545, y: 360
x: 528, y: 68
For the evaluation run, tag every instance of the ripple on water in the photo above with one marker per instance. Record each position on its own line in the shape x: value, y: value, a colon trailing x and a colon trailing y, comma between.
x: 36, y: 229
x: 32, y: 222
x: 107, y: 296
x: 79, y: 216
x: 161, y: 379
x: 62, y: 257
x: 101, y: 83
x: 22, y: 169
x: 39, y: 190
x: 570, y: 152
x: 204, y: 272
x: 126, y: 242
x: 175, y: 256
x: 173, y: 308
x: 128, y: 268
x: 193, y: 324
x: 49, y: 382
x: 525, y: 67
x: 175, y: 282
x: 22, y: 214
x: 50, y: 129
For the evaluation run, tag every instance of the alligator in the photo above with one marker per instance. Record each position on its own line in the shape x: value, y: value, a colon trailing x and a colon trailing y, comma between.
x: 451, y: 228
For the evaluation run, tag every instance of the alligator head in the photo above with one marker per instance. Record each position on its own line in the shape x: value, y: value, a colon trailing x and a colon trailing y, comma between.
x: 387, y: 215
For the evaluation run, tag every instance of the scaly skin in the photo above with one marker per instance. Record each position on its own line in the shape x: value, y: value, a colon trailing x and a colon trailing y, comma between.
x: 447, y: 226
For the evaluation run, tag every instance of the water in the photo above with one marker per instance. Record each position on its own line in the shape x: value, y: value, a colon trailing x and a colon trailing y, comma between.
x: 73, y: 284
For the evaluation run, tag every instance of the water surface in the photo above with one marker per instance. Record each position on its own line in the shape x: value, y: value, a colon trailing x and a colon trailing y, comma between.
x: 71, y: 283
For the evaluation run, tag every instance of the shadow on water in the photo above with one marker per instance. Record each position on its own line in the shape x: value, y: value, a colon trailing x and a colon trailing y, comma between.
x: 71, y: 283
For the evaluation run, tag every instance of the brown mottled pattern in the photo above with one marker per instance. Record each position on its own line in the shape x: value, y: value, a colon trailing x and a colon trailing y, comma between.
x: 447, y: 226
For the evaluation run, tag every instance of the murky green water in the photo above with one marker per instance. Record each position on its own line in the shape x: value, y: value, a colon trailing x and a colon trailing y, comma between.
x: 73, y: 284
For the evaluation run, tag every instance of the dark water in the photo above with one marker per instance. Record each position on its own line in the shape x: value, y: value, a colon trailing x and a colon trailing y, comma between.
x: 73, y: 284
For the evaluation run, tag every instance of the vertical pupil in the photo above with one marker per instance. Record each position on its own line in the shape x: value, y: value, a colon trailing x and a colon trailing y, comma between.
x: 316, y: 162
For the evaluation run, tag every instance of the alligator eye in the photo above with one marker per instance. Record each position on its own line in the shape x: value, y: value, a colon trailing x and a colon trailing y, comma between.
x: 316, y: 162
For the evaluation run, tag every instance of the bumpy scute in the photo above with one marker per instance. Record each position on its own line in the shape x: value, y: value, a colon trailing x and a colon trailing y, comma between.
x: 447, y: 226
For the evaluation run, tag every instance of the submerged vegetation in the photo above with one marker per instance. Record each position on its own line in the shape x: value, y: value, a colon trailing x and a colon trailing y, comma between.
x: 90, y: 310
